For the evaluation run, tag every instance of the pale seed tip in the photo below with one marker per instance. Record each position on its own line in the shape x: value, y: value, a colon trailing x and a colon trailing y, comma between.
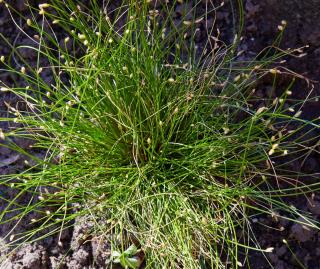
x: 269, y: 250
x: 44, y: 5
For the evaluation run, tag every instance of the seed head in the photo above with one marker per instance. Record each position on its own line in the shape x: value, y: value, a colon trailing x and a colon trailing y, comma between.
x: 23, y: 70
x: 260, y: 110
x: 29, y: 22
x: 226, y: 130
x: 4, y: 89
x: 298, y: 114
x: 188, y: 23
x: 82, y: 36
x: 44, y: 5
x: 273, y: 71
x: 237, y: 78
x: 11, y: 237
x: 269, y: 250
x: 2, y: 58
x: 2, y: 136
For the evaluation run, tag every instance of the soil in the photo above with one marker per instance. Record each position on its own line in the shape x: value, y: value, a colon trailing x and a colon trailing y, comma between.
x: 73, y: 249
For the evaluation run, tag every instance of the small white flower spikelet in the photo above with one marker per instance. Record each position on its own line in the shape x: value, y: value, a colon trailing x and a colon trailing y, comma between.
x: 273, y: 148
x: 44, y: 5
x: 260, y: 110
x: 269, y: 250
x: 4, y: 89
x: 2, y: 136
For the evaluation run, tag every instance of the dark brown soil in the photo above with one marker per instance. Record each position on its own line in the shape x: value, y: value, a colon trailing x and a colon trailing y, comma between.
x: 262, y: 19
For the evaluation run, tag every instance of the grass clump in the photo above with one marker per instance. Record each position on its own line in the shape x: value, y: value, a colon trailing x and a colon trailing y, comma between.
x: 161, y: 142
